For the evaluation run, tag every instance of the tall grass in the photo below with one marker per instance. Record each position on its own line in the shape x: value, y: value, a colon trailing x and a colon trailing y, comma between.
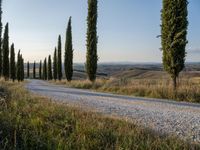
x: 188, y: 89
x: 33, y: 122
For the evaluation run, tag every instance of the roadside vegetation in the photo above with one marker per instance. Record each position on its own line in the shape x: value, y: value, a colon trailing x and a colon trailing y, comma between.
x: 188, y: 89
x: 32, y: 122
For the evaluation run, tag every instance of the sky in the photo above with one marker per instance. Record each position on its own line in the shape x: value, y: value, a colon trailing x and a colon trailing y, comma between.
x: 127, y: 29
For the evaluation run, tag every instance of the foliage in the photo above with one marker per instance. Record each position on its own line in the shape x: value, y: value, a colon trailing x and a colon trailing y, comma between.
x: 55, y: 65
x: 69, y: 52
x: 91, y: 57
x: 59, y: 61
x: 12, y: 63
x: 49, y: 68
x: 45, y: 69
x: 6, y: 53
x: 173, y: 34
x: 34, y: 71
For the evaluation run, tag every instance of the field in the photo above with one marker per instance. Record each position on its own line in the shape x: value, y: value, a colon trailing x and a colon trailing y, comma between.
x: 147, y: 80
x: 32, y: 122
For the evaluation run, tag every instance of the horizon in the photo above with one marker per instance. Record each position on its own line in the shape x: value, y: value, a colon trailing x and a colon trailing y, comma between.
x: 36, y: 25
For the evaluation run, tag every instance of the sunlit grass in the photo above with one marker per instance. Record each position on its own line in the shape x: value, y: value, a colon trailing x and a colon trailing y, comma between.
x: 34, y: 122
x: 188, y: 89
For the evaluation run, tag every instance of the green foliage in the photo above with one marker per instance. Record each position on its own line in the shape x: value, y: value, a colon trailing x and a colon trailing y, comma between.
x: 55, y: 65
x: 59, y: 61
x: 49, y: 68
x: 34, y: 74
x: 69, y: 52
x: 32, y: 122
x: 20, y: 67
x: 91, y: 57
x: 173, y: 34
x: 6, y: 53
x: 1, y: 38
x: 40, y: 70
x: 28, y: 70
x: 45, y: 69
x: 12, y: 63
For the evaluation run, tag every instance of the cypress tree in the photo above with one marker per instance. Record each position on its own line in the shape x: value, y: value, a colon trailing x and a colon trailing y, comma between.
x: 19, y: 66
x: 69, y: 52
x: 49, y: 69
x: 45, y: 69
x: 173, y: 33
x: 6, y: 53
x: 34, y: 76
x: 40, y: 70
x: 59, y: 58
x: 12, y: 63
x: 55, y: 65
x: 22, y: 68
x: 28, y: 70
x: 1, y: 38
x: 91, y: 57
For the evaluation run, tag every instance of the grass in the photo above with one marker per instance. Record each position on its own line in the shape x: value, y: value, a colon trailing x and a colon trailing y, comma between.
x: 188, y: 89
x: 33, y: 122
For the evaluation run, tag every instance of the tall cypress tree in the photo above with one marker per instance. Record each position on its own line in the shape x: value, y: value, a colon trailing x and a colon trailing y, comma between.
x: 34, y: 76
x: 19, y: 66
x: 45, y: 69
x: 59, y: 58
x: 69, y: 52
x: 12, y: 63
x: 49, y: 68
x: 55, y: 65
x: 40, y: 70
x: 174, y: 36
x: 1, y: 38
x: 28, y: 70
x: 91, y: 57
x: 6, y: 53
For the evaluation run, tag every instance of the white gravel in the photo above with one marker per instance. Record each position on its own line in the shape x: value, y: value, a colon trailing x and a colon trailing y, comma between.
x: 163, y: 116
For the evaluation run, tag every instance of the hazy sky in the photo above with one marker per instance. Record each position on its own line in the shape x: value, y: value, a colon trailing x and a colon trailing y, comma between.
x: 127, y: 29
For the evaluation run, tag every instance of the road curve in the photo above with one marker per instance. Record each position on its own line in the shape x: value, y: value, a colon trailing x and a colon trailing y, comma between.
x: 163, y: 116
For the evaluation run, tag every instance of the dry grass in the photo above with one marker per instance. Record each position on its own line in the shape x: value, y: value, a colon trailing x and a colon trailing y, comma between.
x: 188, y: 89
x: 33, y: 122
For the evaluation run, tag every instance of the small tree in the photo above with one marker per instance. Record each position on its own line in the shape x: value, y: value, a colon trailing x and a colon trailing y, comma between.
x: 22, y: 68
x: 45, y: 69
x: 40, y: 70
x: 34, y: 76
x: 91, y: 57
x: 173, y: 34
x: 12, y: 63
x: 49, y: 68
x: 6, y: 53
x: 55, y: 65
x: 69, y: 53
x: 19, y: 66
x: 59, y: 58
x: 28, y: 70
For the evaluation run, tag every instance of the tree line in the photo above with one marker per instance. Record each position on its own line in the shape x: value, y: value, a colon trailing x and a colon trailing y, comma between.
x: 174, y: 24
x: 9, y: 68
x: 91, y: 56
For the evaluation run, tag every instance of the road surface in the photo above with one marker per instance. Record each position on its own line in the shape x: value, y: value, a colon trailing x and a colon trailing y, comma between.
x: 163, y: 116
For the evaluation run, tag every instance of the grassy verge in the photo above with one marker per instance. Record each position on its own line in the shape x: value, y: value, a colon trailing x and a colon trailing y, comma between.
x: 33, y: 122
x: 188, y: 89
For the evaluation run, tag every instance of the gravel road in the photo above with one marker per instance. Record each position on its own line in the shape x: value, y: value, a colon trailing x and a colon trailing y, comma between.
x: 163, y: 116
